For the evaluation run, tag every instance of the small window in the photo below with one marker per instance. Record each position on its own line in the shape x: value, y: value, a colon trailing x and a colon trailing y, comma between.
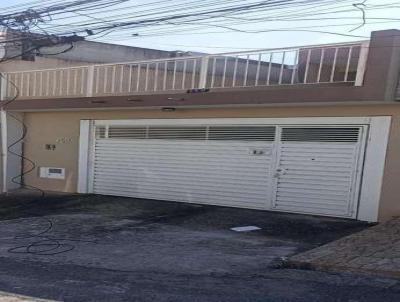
x: 127, y: 132
x: 188, y: 132
x: 326, y: 134
x: 246, y: 133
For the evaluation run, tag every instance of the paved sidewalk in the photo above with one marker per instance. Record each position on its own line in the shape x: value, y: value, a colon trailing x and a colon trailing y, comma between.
x: 375, y: 250
x: 7, y: 297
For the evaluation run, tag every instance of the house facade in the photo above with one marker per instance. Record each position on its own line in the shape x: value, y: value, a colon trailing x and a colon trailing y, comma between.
x: 312, y: 129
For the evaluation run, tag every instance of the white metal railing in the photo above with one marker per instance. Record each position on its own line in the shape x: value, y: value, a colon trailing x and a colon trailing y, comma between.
x: 338, y: 63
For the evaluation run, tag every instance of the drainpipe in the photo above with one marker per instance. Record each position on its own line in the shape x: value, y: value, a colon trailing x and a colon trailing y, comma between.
x: 4, y: 148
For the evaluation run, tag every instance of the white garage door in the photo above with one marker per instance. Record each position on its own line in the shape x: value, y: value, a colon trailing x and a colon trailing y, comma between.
x: 313, y: 169
x: 195, y: 164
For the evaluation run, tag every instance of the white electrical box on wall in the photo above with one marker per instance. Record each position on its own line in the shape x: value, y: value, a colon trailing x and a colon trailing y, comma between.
x: 50, y: 172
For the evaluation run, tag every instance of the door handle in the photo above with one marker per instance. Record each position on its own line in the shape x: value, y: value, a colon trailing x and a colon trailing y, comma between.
x: 279, y: 172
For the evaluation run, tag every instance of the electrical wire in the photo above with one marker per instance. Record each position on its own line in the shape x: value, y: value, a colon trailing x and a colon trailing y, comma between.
x: 110, y: 20
x: 268, y: 4
x: 43, y: 242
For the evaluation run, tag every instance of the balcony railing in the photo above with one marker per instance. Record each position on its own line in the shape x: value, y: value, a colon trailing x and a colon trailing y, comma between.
x: 330, y: 64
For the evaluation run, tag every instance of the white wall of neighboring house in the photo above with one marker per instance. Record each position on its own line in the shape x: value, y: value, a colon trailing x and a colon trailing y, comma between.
x: 14, y: 135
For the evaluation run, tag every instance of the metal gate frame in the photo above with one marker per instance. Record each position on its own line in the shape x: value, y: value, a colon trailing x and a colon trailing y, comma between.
x: 356, y: 179
x: 370, y: 174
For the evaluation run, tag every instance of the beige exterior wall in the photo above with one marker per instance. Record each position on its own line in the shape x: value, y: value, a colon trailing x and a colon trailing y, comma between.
x: 62, y: 129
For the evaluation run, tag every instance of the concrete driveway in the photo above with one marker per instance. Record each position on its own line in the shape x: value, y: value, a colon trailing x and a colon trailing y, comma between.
x: 99, y: 248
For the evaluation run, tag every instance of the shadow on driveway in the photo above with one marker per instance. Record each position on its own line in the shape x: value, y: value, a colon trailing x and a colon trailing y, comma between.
x: 101, y: 248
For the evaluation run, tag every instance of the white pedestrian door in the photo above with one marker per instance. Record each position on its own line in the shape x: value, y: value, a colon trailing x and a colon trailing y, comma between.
x: 318, y: 169
x: 313, y: 169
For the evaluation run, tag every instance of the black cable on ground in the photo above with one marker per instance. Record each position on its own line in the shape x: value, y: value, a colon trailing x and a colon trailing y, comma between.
x: 43, y: 243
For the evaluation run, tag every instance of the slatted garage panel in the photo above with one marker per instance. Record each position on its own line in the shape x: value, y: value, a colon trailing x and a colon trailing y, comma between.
x: 316, y: 170
x: 307, y: 169
x: 225, y: 165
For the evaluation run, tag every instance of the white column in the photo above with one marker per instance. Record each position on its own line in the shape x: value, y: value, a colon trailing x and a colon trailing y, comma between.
x: 3, y: 86
x: 203, y: 72
x: 362, y: 64
x: 90, y: 81
x: 85, y: 147
x: 4, y: 149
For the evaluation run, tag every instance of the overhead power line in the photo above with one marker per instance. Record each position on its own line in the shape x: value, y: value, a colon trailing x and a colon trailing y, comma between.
x: 110, y: 20
x: 153, y: 14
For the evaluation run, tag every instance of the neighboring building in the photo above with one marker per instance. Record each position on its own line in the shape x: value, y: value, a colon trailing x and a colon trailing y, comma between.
x: 82, y: 53
x: 313, y: 129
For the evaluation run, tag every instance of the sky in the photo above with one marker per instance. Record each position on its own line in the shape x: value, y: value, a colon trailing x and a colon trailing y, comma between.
x: 218, y: 40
